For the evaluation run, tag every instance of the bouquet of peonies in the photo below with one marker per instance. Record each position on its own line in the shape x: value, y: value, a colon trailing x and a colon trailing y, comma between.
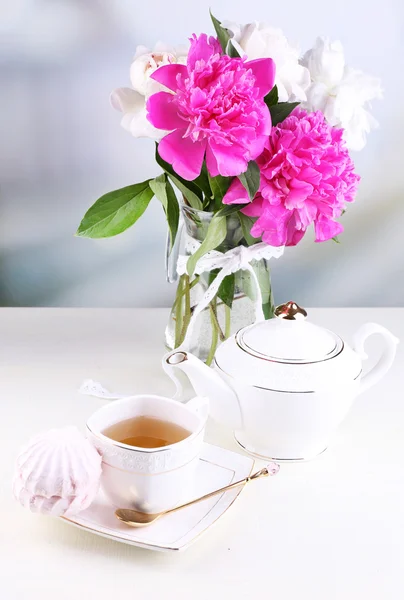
x: 256, y: 139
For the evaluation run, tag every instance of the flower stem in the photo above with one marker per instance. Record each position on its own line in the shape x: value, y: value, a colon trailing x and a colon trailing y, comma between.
x: 213, y: 316
x: 178, y: 312
x: 227, y: 321
x: 187, y: 311
x: 215, y: 333
x: 271, y: 303
x: 179, y: 295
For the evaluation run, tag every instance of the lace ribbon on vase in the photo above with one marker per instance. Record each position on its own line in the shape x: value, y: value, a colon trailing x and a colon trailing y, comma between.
x: 235, y: 259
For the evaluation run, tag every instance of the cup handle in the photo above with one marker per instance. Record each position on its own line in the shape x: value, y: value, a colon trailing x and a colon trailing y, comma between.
x: 200, y: 406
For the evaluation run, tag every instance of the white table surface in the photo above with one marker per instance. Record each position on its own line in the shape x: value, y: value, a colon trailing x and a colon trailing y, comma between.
x: 332, y: 528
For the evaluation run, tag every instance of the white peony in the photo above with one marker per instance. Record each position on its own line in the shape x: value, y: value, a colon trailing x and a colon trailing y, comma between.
x: 340, y: 92
x: 132, y: 101
x: 258, y: 40
x: 133, y: 106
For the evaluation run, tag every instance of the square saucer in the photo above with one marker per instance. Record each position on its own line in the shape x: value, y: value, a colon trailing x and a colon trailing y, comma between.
x: 217, y: 467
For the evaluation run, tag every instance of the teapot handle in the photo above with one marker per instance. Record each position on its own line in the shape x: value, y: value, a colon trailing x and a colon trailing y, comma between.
x: 386, y: 359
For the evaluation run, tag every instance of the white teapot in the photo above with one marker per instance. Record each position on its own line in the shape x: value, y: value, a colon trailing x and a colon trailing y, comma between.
x: 284, y: 385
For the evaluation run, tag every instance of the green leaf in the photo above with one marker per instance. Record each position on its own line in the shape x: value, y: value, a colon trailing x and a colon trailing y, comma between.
x: 335, y: 239
x: 247, y: 284
x: 219, y: 186
x: 264, y: 280
x: 192, y: 198
x: 272, y: 98
x: 251, y: 179
x: 189, y: 189
x: 116, y: 211
x: 231, y: 49
x: 226, y: 289
x: 246, y: 224
x: 261, y: 269
x: 164, y: 192
x: 158, y: 187
x: 230, y: 209
x: 280, y: 111
x: 215, y: 235
x: 222, y: 34
x: 202, y: 181
x: 173, y: 212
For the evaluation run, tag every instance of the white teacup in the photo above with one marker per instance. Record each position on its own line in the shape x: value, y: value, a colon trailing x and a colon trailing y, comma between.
x: 149, y: 479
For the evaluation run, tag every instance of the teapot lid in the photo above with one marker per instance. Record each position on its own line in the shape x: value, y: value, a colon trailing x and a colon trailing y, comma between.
x: 289, y: 338
x: 287, y: 354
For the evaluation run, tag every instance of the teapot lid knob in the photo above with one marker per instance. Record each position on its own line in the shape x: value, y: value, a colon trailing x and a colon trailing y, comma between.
x: 290, y: 311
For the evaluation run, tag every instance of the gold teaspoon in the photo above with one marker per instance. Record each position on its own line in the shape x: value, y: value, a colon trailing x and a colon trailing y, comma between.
x: 136, y: 518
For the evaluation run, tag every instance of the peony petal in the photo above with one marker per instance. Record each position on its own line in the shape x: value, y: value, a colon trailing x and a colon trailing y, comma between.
x: 236, y: 194
x: 126, y: 100
x: 326, y: 229
x: 299, y: 192
x: 167, y: 75
x: 294, y: 236
x: 162, y: 47
x: 264, y: 72
x: 265, y: 123
x: 312, y: 175
x: 254, y: 44
x: 140, y: 50
x: 325, y: 62
x: 134, y: 119
x: 230, y: 161
x: 256, y: 147
x: 255, y: 208
x: 211, y: 162
x: 138, y: 125
x: 202, y: 48
x: 139, y: 74
x: 183, y: 154
x: 162, y: 111
x: 272, y: 224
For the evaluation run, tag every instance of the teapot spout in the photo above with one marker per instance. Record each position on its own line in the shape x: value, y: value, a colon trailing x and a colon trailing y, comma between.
x: 224, y: 404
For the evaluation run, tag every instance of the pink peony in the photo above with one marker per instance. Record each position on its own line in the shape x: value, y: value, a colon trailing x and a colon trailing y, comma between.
x: 217, y: 110
x: 307, y: 176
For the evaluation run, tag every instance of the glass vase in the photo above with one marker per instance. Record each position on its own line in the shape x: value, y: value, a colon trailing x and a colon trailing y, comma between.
x: 232, y: 308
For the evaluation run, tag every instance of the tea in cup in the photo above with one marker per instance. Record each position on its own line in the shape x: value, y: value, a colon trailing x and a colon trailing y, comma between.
x: 150, y: 447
